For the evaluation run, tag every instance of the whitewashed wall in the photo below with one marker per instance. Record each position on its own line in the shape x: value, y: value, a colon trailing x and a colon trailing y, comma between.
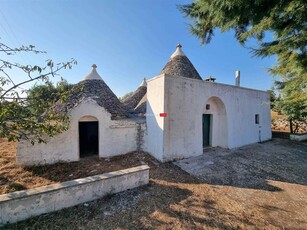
x: 155, y: 123
x: 185, y: 101
x: 219, y: 125
x: 116, y: 137
x: 178, y: 135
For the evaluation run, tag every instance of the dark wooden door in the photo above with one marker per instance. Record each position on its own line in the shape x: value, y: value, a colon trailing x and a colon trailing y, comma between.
x: 206, y: 129
x: 88, y: 138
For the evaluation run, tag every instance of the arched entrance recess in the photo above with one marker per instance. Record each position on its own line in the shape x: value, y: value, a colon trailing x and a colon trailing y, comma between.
x: 88, y: 136
x: 214, y: 121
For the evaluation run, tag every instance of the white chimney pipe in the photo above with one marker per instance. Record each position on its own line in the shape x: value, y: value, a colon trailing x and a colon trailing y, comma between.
x: 238, y: 78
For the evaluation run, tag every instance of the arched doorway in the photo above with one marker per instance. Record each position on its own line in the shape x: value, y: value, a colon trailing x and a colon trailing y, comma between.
x: 214, y: 122
x: 88, y: 136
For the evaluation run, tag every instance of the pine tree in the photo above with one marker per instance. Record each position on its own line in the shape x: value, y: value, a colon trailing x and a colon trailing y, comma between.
x: 252, y: 19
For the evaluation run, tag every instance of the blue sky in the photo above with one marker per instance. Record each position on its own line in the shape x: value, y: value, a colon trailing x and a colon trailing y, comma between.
x: 127, y: 40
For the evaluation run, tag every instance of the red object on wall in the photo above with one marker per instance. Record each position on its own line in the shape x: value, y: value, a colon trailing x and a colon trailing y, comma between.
x: 163, y: 114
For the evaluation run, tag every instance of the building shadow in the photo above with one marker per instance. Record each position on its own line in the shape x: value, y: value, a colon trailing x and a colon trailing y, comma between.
x: 10, y: 185
x: 155, y: 205
x: 251, y: 166
x: 173, y: 199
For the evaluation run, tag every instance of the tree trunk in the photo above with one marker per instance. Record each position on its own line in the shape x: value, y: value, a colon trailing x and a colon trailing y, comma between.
x: 291, y: 126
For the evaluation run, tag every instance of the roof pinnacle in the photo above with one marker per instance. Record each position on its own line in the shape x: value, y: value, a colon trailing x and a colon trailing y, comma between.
x: 144, y: 83
x: 93, y: 75
x: 178, y: 51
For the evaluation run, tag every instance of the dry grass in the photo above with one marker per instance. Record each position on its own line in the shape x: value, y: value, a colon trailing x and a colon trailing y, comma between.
x: 280, y: 124
x: 176, y: 200
x: 11, y: 178
x: 172, y: 200
x: 275, y: 115
x: 14, y: 178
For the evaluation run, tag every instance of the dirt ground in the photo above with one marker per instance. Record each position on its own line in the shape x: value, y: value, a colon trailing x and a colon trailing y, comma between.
x: 261, y: 186
x: 14, y: 178
x: 271, y: 176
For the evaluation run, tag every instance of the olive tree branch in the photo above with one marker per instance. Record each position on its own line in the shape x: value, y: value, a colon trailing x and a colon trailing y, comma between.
x: 42, y: 76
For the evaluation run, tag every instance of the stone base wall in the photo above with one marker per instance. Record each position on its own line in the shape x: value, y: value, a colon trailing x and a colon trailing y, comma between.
x: 283, y: 124
x: 22, y: 205
x: 298, y: 137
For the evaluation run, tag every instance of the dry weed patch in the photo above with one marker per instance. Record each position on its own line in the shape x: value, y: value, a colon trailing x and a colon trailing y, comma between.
x: 14, y: 178
x: 273, y: 195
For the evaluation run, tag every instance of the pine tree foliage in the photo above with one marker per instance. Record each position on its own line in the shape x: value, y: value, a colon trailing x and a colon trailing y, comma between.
x: 252, y: 19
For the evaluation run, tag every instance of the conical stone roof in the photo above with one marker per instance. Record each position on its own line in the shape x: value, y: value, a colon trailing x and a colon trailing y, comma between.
x: 133, y: 100
x: 95, y: 88
x: 180, y: 65
x: 141, y: 106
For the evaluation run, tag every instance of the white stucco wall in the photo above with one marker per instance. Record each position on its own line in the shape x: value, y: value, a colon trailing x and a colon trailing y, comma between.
x: 144, y: 137
x: 116, y: 137
x: 155, y: 123
x: 176, y: 136
x: 219, y: 125
x: 120, y: 138
x: 185, y: 101
x: 298, y: 137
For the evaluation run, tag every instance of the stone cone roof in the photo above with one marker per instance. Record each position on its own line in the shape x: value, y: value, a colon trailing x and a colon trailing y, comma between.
x: 141, y: 106
x: 95, y: 88
x: 180, y: 65
x: 133, y: 100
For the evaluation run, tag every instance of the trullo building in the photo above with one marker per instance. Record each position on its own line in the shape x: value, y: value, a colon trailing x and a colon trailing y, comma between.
x: 172, y: 116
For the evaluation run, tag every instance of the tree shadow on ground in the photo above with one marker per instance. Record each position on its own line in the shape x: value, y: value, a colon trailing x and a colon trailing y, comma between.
x: 10, y: 185
x: 160, y: 204
x: 176, y: 200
